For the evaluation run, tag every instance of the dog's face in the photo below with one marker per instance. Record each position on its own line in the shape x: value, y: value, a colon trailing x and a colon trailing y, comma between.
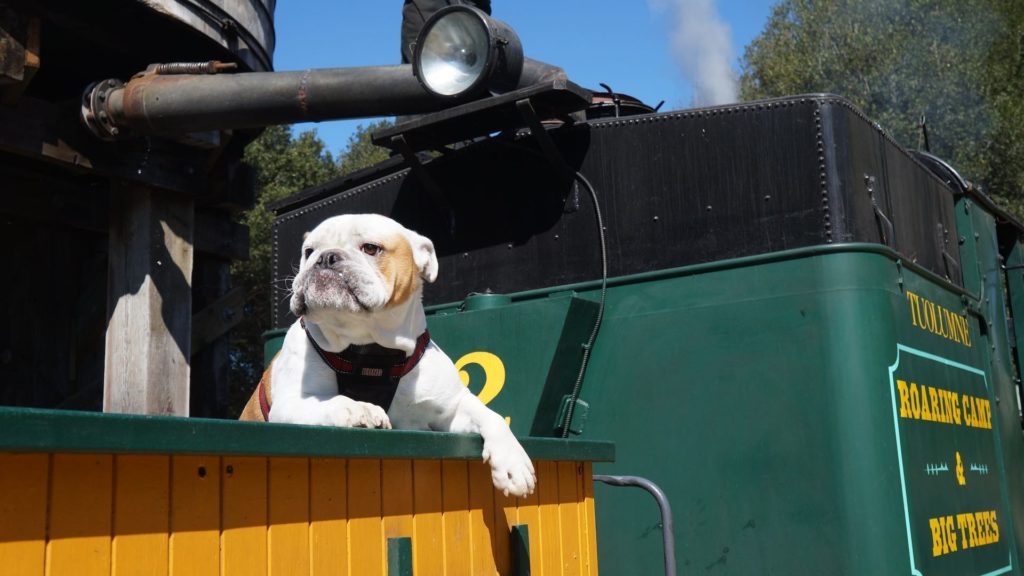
x: 361, y: 264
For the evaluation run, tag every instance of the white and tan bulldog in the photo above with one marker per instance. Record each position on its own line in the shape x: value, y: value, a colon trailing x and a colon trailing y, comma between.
x: 358, y: 297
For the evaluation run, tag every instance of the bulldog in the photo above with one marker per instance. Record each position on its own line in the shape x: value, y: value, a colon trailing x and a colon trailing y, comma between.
x: 360, y: 354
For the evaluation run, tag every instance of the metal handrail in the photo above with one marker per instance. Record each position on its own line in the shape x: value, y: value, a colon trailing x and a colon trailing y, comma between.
x: 667, y: 525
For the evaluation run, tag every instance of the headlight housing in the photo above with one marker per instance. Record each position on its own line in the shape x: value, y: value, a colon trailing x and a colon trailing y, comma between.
x: 462, y: 51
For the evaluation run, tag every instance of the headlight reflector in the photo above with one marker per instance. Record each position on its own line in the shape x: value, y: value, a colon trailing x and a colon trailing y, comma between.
x: 461, y: 50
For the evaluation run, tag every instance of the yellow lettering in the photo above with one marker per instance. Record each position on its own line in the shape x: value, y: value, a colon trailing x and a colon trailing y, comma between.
x: 912, y: 303
x: 926, y: 413
x: 943, y: 328
x: 986, y: 413
x: 976, y: 529
x: 972, y: 531
x: 943, y: 535
x: 901, y: 385
x: 934, y: 397
x: 934, y: 318
x: 938, y: 541
x: 928, y: 320
x: 915, y: 402
x: 956, y: 407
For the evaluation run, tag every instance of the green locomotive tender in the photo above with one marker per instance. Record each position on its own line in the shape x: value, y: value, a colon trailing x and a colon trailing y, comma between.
x: 807, y: 333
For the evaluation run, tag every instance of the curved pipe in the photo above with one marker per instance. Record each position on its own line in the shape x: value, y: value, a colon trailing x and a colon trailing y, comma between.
x: 667, y: 525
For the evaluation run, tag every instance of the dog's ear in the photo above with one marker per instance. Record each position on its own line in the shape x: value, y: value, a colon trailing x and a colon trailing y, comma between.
x: 423, y: 254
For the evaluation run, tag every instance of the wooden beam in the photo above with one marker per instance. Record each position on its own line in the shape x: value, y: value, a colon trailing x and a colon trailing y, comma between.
x: 53, y: 133
x: 19, y: 53
x: 149, y: 302
x: 215, y: 320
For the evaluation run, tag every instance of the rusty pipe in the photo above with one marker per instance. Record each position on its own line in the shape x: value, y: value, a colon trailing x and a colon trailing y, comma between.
x: 154, y: 103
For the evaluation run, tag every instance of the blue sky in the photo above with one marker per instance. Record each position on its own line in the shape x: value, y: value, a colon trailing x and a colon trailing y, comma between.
x: 640, y: 47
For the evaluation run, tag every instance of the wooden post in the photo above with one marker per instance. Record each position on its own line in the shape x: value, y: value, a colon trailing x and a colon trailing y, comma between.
x: 149, y: 302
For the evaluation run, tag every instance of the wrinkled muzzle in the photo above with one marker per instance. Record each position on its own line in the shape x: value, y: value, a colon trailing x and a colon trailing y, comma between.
x: 333, y: 282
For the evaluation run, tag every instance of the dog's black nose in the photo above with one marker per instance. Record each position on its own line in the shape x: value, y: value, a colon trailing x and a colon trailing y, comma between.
x: 328, y: 259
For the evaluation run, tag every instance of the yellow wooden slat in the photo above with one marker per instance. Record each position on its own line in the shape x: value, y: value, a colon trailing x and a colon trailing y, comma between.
x: 141, y: 515
x: 455, y: 518
x: 397, y: 505
x: 427, y: 540
x: 506, y: 515
x: 328, y: 526
x: 195, y: 516
x: 590, y: 520
x: 550, y: 523
x: 23, y: 483
x: 288, y: 534
x: 366, y: 552
x: 529, y: 515
x: 482, y: 528
x: 244, y: 517
x: 569, y: 513
x: 81, y: 496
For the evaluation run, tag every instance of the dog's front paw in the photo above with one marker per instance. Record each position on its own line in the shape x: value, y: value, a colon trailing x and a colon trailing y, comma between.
x: 511, y: 469
x: 353, y: 414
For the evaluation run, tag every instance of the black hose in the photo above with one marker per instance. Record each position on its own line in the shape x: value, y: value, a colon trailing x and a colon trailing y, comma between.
x: 588, y: 346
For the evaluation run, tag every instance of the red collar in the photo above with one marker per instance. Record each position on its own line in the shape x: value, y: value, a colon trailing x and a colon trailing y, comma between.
x: 341, y: 362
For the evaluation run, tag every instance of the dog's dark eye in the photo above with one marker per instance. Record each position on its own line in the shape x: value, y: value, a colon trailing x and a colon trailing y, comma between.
x: 307, y: 252
x: 371, y: 249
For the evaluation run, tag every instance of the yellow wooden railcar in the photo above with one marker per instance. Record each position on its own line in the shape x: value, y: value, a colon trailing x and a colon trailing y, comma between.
x: 85, y: 494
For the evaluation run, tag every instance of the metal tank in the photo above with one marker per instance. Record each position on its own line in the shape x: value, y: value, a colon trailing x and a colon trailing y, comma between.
x: 245, y: 28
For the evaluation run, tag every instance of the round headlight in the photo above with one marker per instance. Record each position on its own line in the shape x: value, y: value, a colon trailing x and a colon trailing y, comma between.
x: 461, y: 51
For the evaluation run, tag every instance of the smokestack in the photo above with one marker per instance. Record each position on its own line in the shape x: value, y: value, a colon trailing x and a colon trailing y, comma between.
x: 702, y: 45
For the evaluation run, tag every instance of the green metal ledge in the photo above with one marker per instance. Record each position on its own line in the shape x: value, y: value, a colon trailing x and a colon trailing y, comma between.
x: 32, y: 430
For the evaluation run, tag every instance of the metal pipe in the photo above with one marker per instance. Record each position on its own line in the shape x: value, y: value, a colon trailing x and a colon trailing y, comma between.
x: 157, y: 103
x: 183, y: 103
x: 667, y: 525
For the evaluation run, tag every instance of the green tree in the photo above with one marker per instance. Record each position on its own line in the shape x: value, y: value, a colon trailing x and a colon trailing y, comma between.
x: 284, y: 165
x: 957, y: 63
x: 361, y: 151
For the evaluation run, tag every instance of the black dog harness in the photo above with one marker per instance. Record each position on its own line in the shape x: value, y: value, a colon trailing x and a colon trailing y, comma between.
x: 366, y: 373
x: 370, y: 372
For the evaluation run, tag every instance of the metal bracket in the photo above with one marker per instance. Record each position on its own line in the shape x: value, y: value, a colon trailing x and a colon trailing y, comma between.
x: 551, y: 153
x: 885, y: 227
x: 547, y: 145
x: 425, y: 179
x: 667, y: 525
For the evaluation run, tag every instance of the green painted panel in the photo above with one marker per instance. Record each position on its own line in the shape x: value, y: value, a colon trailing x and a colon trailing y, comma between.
x: 26, y: 429
x: 981, y: 244
x: 519, y: 538
x: 758, y: 394
x: 400, y: 556
x: 273, y: 340
x: 521, y: 359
